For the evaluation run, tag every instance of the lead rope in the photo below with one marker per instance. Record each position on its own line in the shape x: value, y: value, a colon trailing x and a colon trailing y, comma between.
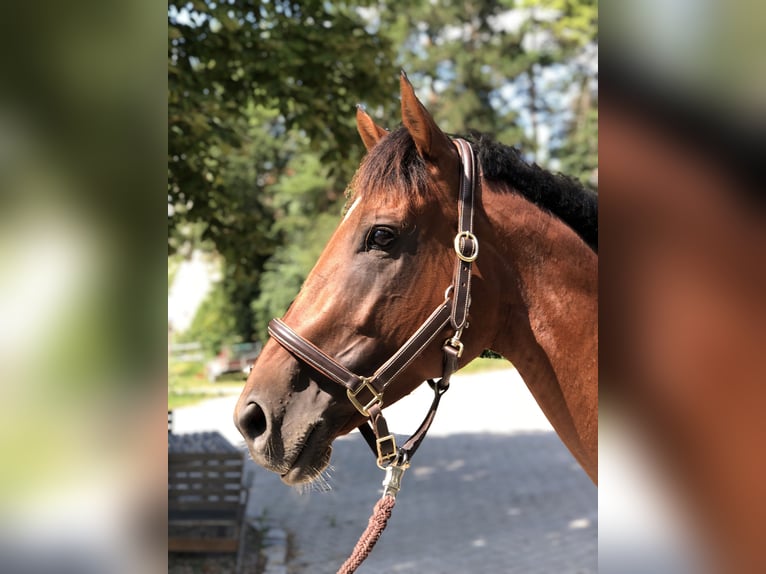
x: 377, y: 523
x: 392, y: 483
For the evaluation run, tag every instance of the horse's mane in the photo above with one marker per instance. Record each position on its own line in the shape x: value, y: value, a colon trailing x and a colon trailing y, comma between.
x: 394, y: 164
x: 563, y: 196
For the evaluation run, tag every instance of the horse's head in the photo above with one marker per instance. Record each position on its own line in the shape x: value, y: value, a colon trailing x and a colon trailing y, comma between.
x: 383, y: 272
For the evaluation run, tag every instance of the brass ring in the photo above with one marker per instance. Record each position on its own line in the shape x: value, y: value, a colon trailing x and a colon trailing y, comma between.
x: 458, y: 245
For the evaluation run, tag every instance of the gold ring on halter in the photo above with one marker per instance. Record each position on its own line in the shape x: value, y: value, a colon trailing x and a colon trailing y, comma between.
x: 459, y: 242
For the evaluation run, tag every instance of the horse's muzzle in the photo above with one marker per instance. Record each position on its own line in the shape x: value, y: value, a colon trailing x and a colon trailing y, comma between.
x: 297, y: 449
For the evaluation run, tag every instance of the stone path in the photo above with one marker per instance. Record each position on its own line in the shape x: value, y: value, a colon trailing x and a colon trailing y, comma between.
x: 492, y: 490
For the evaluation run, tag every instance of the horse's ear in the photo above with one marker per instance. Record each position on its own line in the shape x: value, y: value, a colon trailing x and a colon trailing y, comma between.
x: 432, y: 143
x: 371, y: 132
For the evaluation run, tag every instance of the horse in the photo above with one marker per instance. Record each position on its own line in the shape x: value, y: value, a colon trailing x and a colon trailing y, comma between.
x: 533, y: 295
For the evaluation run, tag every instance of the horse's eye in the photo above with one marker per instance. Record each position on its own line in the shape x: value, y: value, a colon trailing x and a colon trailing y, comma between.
x: 381, y: 238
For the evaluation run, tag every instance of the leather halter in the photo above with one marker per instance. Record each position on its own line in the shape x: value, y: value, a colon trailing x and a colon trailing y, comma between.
x: 366, y: 393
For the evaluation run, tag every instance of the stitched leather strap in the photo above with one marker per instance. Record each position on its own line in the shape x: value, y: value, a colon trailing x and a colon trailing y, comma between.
x: 466, y: 244
x: 325, y: 364
x: 309, y: 353
x: 413, y: 348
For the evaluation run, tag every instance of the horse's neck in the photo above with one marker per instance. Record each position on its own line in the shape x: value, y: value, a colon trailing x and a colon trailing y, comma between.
x: 550, y: 332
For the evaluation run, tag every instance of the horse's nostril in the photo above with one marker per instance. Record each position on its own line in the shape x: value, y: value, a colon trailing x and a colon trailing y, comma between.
x: 252, y: 421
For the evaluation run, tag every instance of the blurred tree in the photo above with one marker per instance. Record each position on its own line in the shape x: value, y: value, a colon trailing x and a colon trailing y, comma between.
x: 510, y: 68
x: 564, y: 93
x: 214, y: 323
x: 306, y: 210
x: 457, y: 57
x: 296, y: 59
x: 576, y: 149
x: 252, y: 83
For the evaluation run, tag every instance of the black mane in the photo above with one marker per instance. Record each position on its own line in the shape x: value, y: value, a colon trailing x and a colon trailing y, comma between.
x: 563, y: 196
x: 395, y: 164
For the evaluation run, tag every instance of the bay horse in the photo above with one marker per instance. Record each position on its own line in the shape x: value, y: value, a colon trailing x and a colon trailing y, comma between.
x: 533, y: 295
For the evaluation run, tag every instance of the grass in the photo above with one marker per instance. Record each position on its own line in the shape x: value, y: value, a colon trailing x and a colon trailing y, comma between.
x: 481, y: 365
x: 188, y: 384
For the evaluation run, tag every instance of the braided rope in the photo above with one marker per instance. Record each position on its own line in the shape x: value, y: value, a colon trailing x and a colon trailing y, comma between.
x: 377, y: 523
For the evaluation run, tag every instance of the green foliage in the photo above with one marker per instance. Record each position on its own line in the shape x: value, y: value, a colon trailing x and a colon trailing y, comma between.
x: 500, y: 67
x: 307, y: 212
x: 484, y: 364
x: 457, y: 61
x: 188, y: 384
x: 214, y: 324
x: 294, y: 62
x: 578, y: 152
x: 285, y: 272
x: 251, y: 84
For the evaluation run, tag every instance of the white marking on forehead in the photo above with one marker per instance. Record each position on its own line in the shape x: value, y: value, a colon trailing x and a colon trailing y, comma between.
x: 352, y: 208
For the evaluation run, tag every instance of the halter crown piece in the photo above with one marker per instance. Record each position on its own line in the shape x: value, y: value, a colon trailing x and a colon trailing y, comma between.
x: 367, y: 393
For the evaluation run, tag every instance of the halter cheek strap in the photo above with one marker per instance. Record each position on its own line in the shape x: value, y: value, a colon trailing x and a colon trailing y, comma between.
x: 466, y: 245
x: 366, y: 393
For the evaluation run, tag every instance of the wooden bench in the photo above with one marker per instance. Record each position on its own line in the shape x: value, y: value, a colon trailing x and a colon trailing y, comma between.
x: 207, y: 497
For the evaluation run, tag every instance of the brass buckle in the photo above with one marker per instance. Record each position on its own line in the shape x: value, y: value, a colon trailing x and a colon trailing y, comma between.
x: 376, y: 396
x: 459, y: 245
x: 456, y: 344
x: 383, y: 459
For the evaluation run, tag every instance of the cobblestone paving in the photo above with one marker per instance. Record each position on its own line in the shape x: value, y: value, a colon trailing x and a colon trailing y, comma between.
x: 491, y: 490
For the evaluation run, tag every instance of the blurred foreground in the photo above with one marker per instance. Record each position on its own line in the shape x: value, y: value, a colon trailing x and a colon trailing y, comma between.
x: 683, y: 313
x: 82, y: 310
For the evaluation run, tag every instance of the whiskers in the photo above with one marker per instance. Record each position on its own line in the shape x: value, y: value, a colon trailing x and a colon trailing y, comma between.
x: 322, y: 482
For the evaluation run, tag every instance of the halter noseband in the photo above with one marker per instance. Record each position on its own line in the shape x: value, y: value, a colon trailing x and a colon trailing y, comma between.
x: 366, y: 393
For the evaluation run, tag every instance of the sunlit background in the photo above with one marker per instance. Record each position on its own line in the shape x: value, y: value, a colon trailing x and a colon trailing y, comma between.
x: 263, y: 144
x: 83, y: 335
x: 681, y: 140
